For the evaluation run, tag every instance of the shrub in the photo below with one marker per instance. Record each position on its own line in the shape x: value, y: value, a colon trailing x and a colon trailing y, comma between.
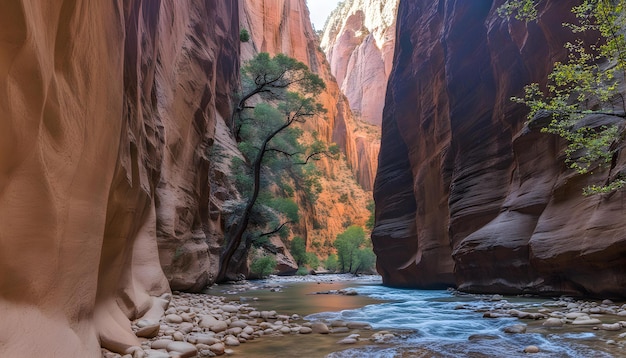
x: 298, y: 250
x: 263, y: 266
x: 312, y: 260
x: 244, y: 35
x: 331, y: 263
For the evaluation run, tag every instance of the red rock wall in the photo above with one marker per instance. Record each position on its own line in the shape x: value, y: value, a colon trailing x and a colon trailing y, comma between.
x: 108, y: 109
x: 283, y: 26
x: 359, y: 40
x: 465, y: 193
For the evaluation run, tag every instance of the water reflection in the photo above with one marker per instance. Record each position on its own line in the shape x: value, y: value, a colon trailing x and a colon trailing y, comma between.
x: 438, y: 328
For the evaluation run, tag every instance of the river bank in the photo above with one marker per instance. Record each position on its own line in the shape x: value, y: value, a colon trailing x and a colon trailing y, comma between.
x: 344, y: 316
x: 219, y: 322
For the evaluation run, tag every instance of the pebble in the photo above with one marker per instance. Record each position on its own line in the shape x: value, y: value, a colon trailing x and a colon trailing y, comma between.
x: 348, y: 340
x: 149, y: 331
x: 185, y: 349
x: 553, y: 322
x: 173, y: 318
x: 531, y: 349
x: 611, y: 327
x: 515, y: 329
x: 320, y: 327
x: 586, y: 320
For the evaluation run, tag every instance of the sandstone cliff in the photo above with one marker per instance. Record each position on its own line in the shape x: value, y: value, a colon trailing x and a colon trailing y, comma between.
x: 108, y: 112
x: 283, y: 26
x: 359, y: 39
x: 467, y: 194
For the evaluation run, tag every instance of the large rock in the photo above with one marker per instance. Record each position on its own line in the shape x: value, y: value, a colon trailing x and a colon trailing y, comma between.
x: 108, y: 110
x: 466, y: 193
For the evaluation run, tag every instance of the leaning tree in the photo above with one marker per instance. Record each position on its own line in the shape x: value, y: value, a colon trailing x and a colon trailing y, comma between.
x: 277, y: 93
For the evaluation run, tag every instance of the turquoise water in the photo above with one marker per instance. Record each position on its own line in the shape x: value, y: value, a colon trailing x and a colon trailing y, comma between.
x: 431, y: 323
x: 446, y: 331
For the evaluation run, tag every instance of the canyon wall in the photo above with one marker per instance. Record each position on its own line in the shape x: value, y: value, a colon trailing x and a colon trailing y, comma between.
x: 108, y: 113
x: 358, y: 39
x: 466, y: 193
x: 283, y: 26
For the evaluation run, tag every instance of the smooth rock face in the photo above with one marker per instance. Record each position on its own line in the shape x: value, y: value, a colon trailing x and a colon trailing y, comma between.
x: 359, y: 40
x: 108, y: 109
x: 466, y: 194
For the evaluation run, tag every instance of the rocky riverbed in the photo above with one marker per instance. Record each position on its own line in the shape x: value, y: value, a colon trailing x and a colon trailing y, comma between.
x: 203, y: 325
x: 605, y: 318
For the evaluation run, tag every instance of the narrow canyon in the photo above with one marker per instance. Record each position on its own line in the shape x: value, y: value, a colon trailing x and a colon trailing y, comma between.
x: 117, y: 140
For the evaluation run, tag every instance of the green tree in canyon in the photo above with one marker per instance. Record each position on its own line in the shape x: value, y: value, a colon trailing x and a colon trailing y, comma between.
x: 278, y: 93
x: 588, y: 82
x: 353, y: 253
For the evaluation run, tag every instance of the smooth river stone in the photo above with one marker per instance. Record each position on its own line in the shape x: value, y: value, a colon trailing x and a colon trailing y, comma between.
x: 586, y: 320
x: 230, y: 308
x: 185, y: 349
x: 516, y: 328
x: 320, y: 327
x: 553, y: 322
x: 150, y: 331
x: 173, y: 318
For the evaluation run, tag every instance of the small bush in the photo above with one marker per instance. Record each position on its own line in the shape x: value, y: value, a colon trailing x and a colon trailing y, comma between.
x: 331, y: 263
x: 312, y: 260
x: 263, y: 266
x: 244, y: 35
x: 302, y: 271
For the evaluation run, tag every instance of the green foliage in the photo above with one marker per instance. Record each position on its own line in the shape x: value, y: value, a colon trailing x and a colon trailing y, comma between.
x: 523, y: 10
x: 331, y: 263
x: 312, y: 260
x: 244, y: 35
x: 263, y: 266
x: 343, y: 198
x: 371, y: 206
x: 366, y: 259
x: 347, y: 245
x: 271, y: 77
x: 586, y: 83
x: 298, y: 250
x: 302, y: 271
x: 287, y: 207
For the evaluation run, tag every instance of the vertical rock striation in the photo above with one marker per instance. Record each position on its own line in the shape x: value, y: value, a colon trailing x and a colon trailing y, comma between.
x: 108, y: 112
x: 283, y: 26
x: 359, y: 39
x: 466, y: 193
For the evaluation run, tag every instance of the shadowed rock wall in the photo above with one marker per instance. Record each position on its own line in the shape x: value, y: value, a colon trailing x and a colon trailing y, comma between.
x: 466, y: 194
x: 108, y: 109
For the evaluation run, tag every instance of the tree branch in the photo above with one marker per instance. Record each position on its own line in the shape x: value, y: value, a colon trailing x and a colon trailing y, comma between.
x: 277, y: 229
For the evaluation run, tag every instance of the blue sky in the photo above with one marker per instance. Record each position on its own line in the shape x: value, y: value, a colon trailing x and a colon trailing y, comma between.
x: 320, y: 9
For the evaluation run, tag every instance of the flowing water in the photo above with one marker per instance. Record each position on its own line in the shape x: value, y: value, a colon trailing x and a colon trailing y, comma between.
x: 431, y: 324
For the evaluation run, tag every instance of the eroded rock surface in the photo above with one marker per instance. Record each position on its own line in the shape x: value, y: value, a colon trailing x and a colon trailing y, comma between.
x: 466, y: 193
x: 283, y: 26
x: 109, y: 109
x: 359, y: 40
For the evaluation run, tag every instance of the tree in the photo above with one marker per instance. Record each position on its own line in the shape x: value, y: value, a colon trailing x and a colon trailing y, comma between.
x: 347, y: 245
x: 331, y: 263
x: 277, y: 93
x: 298, y: 250
x: 586, y: 83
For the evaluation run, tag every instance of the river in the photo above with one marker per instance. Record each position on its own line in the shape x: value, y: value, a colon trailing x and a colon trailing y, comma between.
x: 428, y: 323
